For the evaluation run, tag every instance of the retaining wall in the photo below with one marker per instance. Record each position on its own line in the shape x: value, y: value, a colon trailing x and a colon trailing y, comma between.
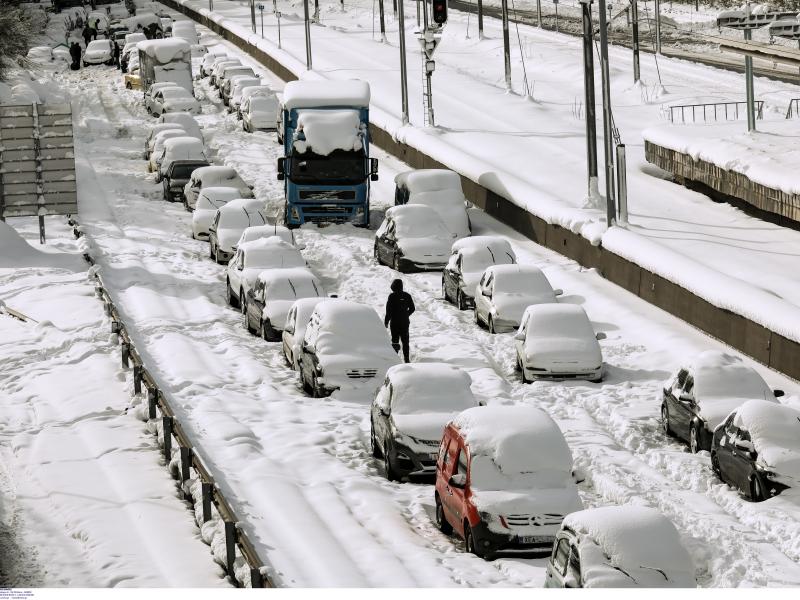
x: 735, y: 330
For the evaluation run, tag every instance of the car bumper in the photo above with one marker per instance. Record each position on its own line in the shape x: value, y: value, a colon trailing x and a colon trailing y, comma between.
x: 555, y: 375
x: 408, y: 265
x: 489, y: 542
x: 96, y: 60
x: 414, y: 465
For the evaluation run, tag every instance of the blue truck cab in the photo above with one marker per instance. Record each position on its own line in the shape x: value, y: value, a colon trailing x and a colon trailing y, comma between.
x: 326, y: 166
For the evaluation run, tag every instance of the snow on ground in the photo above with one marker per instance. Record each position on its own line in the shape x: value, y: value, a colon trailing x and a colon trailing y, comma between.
x: 532, y: 149
x: 298, y: 469
x: 85, y: 500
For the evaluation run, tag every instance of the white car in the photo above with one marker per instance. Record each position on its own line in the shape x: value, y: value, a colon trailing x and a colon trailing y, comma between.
x: 258, y: 113
x: 174, y: 99
x: 208, y: 59
x: 229, y: 223
x: 219, y: 66
x: 214, y: 176
x: 185, y: 30
x: 505, y: 291
x: 179, y: 148
x: 557, y: 341
x: 235, y: 85
x: 209, y: 201
x: 254, y: 90
x: 157, y: 149
x: 619, y: 547
x: 258, y: 232
x: 469, y: 258
x: 154, y: 131
x: 226, y: 74
x: 295, y: 328
x: 98, y: 52
x: 268, y: 302
x: 252, y: 258
x: 412, y: 238
x: 185, y: 120
x: 440, y: 189
x: 409, y: 413
x: 152, y: 90
x: 345, y: 346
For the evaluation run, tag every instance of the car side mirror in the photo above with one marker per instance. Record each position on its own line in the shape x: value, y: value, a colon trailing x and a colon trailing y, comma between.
x: 383, y: 410
x: 481, y: 403
x: 779, y: 393
x: 458, y: 481
x: 600, y: 335
x: 578, y: 475
x: 520, y: 336
x: 486, y: 293
x: 570, y: 581
x: 558, y: 292
x: 240, y: 267
x: 685, y: 397
x: 373, y: 169
x: 281, y: 168
x: 745, y: 446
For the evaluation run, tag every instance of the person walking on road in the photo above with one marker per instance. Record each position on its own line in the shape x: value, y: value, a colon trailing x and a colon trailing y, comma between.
x: 117, y: 52
x: 87, y: 34
x: 75, y: 53
x: 399, y: 307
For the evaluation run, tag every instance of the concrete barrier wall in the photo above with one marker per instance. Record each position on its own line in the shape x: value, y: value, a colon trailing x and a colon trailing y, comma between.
x: 735, y: 330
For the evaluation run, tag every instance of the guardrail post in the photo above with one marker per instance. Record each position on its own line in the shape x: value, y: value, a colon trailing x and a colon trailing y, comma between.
x: 230, y: 547
x: 115, y: 326
x: 137, y: 379
x: 207, y: 490
x: 256, y: 578
x: 186, y: 465
x: 166, y: 425
x: 126, y: 354
x: 152, y: 398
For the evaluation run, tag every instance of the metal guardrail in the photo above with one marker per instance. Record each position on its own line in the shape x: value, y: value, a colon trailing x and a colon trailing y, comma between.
x: 714, y: 111
x: 794, y: 108
x: 157, y: 402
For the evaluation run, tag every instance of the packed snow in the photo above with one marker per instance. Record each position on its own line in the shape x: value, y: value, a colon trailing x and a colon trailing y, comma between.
x: 322, y: 132
x: 319, y: 94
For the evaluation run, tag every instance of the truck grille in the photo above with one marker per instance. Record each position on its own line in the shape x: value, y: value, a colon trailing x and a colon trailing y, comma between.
x: 322, y: 195
x: 535, y: 520
x: 361, y: 373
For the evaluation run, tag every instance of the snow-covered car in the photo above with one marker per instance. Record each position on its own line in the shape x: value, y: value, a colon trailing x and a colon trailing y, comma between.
x: 469, y: 258
x: 134, y: 38
x: 185, y: 30
x: 180, y: 148
x: 505, y: 291
x: 619, y: 547
x: 40, y: 54
x: 215, y: 176
x: 258, y: 113
x: 250, y: 259
x: 153, y: 90
x: 272, y: 296
x: 219, y: 66
x: 412, y: 238
x: 439, y: 189
x: 295, y: 328
x: 173, y: 99
x: 61, y: 53
x: 227, y: 74
x: 100, y: 19
x: 149, y: 143
x: 208, y: 59
x: 704, y: 391
x: 176, y: 176
x: 129, y: 54
x: 249, y: 92
x: 157, y: 149
x: 504, y: 480
x: 409, y: 414
x: 557, y: 341
x: 229, y: 223
x: 98, y: 52
x: 258, y: 232
x: 345, y: 346
x: 166, y: 24
x: 209, y: 200
x: 184, y: 120
x: 757, y: 449
x: 235, y: 84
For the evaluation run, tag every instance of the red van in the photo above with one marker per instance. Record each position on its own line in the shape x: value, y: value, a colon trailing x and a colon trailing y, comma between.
x: 504, y: 480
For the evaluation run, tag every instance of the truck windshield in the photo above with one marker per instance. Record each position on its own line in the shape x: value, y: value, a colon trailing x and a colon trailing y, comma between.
x: 340, y: 167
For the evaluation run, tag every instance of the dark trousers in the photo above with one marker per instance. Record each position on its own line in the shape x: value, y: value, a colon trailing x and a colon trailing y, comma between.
x: 400, y: 335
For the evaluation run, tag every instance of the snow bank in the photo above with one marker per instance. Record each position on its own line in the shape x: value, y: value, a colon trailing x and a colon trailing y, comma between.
x: 775, y: 432
x: 15, y: 252
x: 430, y: 387
x: 166, y: 50
x: 428, y: 180
x: 519, y: 439
x: 325, y: 131
x: 639, y: 544
x: 318, y: 94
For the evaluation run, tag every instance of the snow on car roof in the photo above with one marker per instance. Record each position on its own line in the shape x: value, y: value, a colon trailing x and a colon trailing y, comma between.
x: 319, y: 94
x: 520, y: 278
x: 636, y: 539
x: 566, y: 321
x: 326, y: 131
x: 429, y: 180
x: 216, y: 174
x: 243, y: 204
x: 519, y: 439
x: 430, y: 387
x: 219, y: 193
x: 165, y: 50
x: 495, y: 242
x: 724, y: 375
x: 775, y: 432
x: 181, y: 118
x: 162, y: 136
x: 273, y: 253
x: 265, y: 231
x: 174, y: 91
x: 349, y: 326
x: 185, y: 143
x: 134, y: 37
x: 294, y: 274
x: 417, y: 220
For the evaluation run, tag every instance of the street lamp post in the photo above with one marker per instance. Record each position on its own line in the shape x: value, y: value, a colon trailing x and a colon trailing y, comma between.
x: 611, y: 211
x: 401, y: 27
x: 308, y: 35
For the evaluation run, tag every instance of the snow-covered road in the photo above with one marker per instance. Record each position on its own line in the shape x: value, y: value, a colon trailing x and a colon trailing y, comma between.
x: 298, y: 469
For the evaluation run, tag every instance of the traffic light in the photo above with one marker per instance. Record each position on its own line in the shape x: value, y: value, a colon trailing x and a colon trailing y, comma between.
x: 440, y: 11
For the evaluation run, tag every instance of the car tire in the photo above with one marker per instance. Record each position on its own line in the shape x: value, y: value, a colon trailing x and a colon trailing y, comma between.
x: 441, y: 521
x: 245, y: 318
x: 490, y: 324
x: 316, y: 391
x: 469, y: 541
x: 217, y: 257
x: 373, y: 446
x: 715, y: 466
x: 694, y: 439
x: 477, y: 317
x: 128, y: 85
x: 445, y: 297
x: 396, y: 263
x: 665, y: 420
x: 756, y: 490
x: 391, y: 474
x: 462, y: 304
x: 376, y: 254
x: 229, y: 297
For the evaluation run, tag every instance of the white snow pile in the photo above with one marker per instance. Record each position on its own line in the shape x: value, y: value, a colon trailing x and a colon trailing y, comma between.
x: 325, y: 131
x: 143, y: 19
x: 775, y: 432
x: 429, y: 180
x: 319, y: 94
x: 166, y: 50
x: 518, y: 439
x: 266, y: 231
x: 626, y: 546
x: 430, y: 387
x: 15, y: 252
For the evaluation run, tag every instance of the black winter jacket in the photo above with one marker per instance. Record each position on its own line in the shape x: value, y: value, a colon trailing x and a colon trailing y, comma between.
x: 399, y: 307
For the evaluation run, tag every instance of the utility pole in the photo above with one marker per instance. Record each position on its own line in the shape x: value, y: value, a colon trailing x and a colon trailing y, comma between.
x: 611, y: 211
x: 589, y: 100
x: 480, y: 19
x: 658, y: 26
x: 539, y: 13
x: 308, y: 35
x: 635, y: 29
x: 506, y: 46
x: 401, y: 27
x: 253, y: 14
x: 316, y: 11
x: 748, y: 81
x: 555, y: 4
x: 383, y: 23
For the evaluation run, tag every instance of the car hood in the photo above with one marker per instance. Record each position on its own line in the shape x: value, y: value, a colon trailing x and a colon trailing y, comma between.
x: 535, y: 501
x: 276, y: 311
x: 511, y: 306
x: 715, y: 410
x: 180, y: 102
x: 203, y: 218
x: 428, y: 426
x: 227, y: 238
x: 425, y: 250
x: 597, y: 571
x: 559, y: 353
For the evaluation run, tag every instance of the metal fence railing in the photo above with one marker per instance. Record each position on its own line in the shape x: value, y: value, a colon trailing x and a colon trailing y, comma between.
x: 794, y: 108
x: 713, y: 111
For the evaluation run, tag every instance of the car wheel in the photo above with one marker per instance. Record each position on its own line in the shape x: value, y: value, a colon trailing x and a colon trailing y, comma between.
x: 217, y: 256
x: 262, y: 331
x: 245, y: 318
x: 444, y: 291
x: 694, y: 439
x: 462, y: 303
x: 522, y: 372
x: 490, y: 324
x: 665, y: 420
x: 715, y: 465
x: 441, y: 521
x: 376, y: 254
x: 391, y: 474
x: 396, y: 263
x: 756, y: 491
x: 469, y: 541
x: 373, y: 446
x: 229, y: 297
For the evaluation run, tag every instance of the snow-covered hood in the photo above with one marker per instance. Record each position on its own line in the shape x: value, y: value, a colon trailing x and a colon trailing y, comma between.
x: 597, y: 571
x: 97, y: 53
x: 227, y: 238
x: 276, y: 311
x: 715, y: 410
x: 557, y: 352
x: 180, y: 103
x: 427, y: 426
x: 545, y: 508
x: 511, y: 306
x: 424, y: 250
x: 203, y: 218
x: 471, y: 281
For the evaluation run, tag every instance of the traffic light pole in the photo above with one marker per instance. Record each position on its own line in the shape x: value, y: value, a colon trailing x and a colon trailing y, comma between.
x: 480, y: 19
x: 506, y: 46
x: 383, y: 23
x: 658, y: 26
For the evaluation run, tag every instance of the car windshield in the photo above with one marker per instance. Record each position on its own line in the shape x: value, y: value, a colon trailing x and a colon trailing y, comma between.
x: 292, y: 289
x: 262, y: 104
x: 340, y: 167
x: 184, y: 171
x: 565, y: 326
x: 485, y: 475
x: 421, y: 228
x: 522, y: 283
x: 175, y: 92
x: 99, y: 45
x: 267, y: 257
x: 239, y: 219
x: 206, y: 203
x: 477, y: 261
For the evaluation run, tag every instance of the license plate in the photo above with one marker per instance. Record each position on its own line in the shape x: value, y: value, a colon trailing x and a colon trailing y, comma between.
x: 434, y: 456
x: 534, y: 539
